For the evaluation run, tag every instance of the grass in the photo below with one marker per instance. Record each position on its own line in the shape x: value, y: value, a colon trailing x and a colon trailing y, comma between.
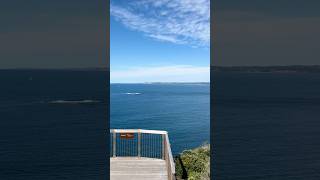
x: 194, y: 164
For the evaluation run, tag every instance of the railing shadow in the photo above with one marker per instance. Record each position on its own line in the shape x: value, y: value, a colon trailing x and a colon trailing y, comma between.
x: 184, y: 174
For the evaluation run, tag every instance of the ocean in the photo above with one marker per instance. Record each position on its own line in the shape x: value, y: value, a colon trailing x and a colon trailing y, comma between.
x: 53, y: 123
x: 266, y: 126
x: 182, y: 109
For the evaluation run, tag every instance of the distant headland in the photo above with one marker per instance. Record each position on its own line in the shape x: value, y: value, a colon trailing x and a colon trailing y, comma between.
x: 268, y: 69
x: 57, y: 69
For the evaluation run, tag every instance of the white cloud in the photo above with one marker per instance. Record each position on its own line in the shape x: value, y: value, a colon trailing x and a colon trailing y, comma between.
x: 181, y: 73
x: 168, y: 38
x: 175, y: 21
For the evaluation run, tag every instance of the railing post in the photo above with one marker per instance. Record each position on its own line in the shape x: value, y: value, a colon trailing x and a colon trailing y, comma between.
x: 139, y: 144
x: 163, y: 146
x: 114, y: 143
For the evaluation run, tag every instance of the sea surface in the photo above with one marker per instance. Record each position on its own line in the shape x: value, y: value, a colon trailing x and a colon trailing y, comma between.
x: 182, y: 109
x: 266, y: 126
x: 53, y: 123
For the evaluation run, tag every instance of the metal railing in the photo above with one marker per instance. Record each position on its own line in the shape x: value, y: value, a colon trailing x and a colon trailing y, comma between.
x: 142, y: 143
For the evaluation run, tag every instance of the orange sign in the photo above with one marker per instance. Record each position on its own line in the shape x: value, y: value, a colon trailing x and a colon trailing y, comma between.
x: 127, y: 135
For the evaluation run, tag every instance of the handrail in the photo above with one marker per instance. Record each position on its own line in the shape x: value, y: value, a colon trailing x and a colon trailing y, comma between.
x: 170, y: 164
x: 138, y: 131
x: 165, y: 150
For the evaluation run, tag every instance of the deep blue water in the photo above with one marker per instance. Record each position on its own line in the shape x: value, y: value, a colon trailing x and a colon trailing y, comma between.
x: 43, y: 140
x: 181, y: 109
x: 266, y: 126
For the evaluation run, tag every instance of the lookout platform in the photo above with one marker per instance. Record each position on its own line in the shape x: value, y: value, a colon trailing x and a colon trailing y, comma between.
x: 138, y: 154
x: 138, y: 169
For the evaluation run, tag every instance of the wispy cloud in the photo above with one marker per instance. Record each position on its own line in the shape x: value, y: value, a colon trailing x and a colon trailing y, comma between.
x: 175, y: 21
x: 181, y: 73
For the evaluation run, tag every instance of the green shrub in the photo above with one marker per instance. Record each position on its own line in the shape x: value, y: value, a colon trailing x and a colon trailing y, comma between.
x: 196, y: 163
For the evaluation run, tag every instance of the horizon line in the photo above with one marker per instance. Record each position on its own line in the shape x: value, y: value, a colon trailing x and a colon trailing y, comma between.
x: 107, y: 68
x: 114, y: 83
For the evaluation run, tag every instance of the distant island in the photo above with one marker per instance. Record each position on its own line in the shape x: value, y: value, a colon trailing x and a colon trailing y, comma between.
x: 268, y: 69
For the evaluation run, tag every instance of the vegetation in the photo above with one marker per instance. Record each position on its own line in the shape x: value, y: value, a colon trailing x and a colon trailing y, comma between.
x: 194, y: 164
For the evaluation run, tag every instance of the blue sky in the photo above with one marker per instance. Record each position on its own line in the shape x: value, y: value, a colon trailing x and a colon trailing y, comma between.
x: 159, y: 41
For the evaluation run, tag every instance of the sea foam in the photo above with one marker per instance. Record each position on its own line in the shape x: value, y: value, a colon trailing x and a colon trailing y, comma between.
x: 135, y: 93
